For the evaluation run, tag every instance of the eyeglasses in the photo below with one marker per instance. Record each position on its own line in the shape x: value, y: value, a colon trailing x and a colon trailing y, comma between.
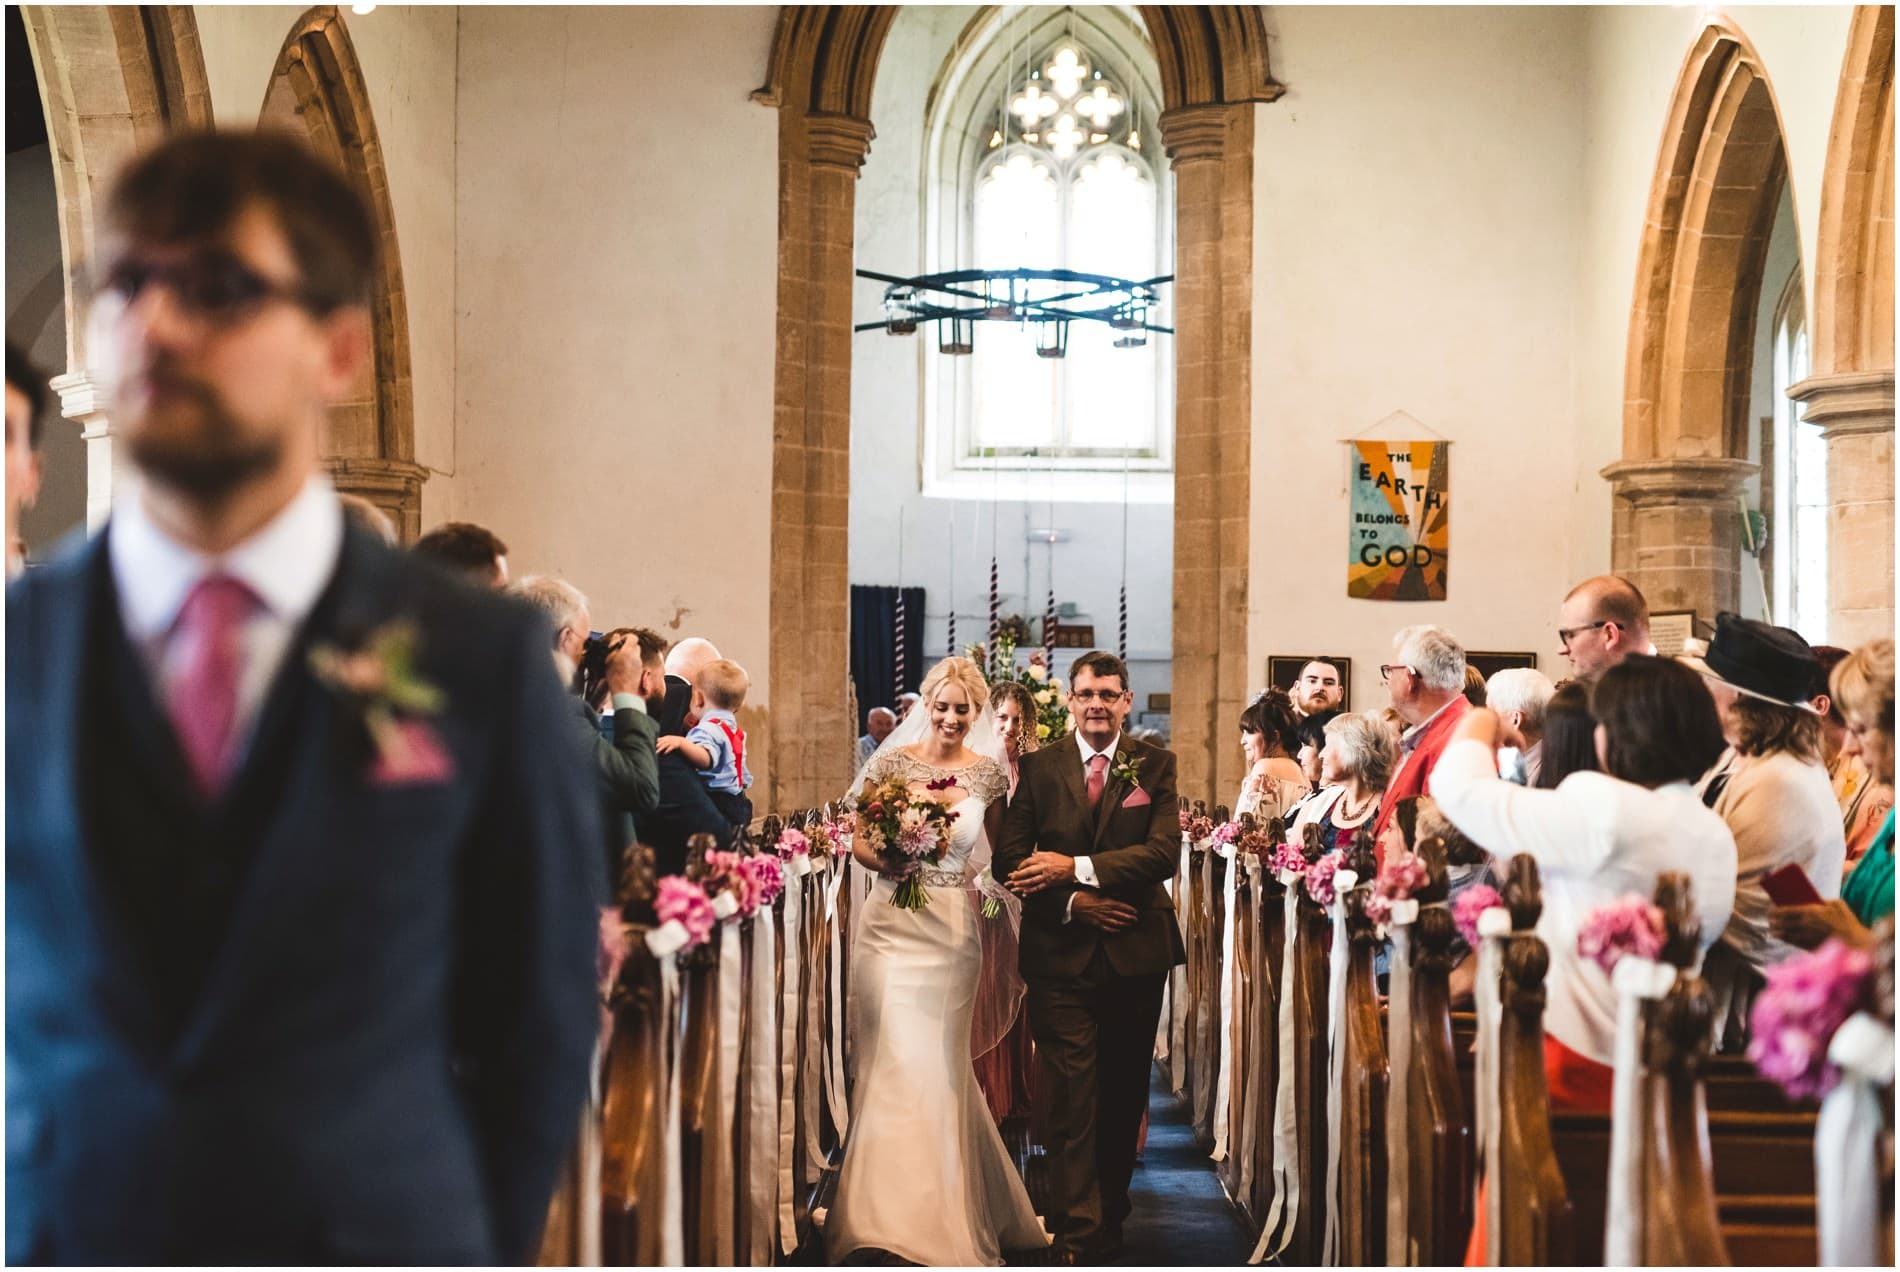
x: 214, y: 286
x: 1104, y: 696
x: 1566, y: 634
x: 1386, y: 669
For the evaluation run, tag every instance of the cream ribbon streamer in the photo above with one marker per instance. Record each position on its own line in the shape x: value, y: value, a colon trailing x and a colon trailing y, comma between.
x: 1178, y: 978
x: 1636, y: 980
x: 1284, y: 1213
x: 665, y: 942
x: 1493, y: 926
x: 788, y: 1055
x: 726, y: 1083
x: 1202, y: 1090
x: 811, y: 1057
x: 834, y: 1070
x: 1246, y: 1140
x: 1223, y: 1084
x: 1398, y: 1097
x: 762, y: 1103
x: 1847, y: 1142
x: 1343, y: 882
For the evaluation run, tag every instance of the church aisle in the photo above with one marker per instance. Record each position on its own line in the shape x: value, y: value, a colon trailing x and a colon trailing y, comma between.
x: 1181, y: 1216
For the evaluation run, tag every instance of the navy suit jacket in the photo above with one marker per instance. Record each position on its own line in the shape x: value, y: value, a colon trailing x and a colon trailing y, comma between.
x: 386, y: 1050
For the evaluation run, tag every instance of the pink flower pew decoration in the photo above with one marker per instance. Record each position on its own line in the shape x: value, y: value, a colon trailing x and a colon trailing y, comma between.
x: 1472, y: 902
x: 1288, y: 859
x: 1629, y: 926
x: 767, y: 877
x: 1319, y: 879
x: 1807, y: 998
x: 680, y: 900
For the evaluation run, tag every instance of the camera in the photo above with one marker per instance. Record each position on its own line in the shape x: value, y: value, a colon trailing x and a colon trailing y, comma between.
x: 590, y: 675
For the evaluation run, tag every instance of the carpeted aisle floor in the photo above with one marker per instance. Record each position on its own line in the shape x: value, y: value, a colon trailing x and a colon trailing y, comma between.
x: 1181, y: 1217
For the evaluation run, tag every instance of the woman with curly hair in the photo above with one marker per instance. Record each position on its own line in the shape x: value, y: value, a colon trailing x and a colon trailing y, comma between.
x: 1015, y: 710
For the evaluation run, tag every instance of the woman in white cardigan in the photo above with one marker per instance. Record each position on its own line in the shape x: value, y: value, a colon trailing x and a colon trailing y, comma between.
x: 1600, y: 837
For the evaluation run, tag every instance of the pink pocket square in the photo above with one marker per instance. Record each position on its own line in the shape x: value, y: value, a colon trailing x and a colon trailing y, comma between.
x: 410, y: 754
x: 1137, y: 798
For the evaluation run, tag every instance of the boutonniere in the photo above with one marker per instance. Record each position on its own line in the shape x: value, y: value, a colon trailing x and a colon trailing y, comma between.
x: 379, y: 681
x: 1127, y: 769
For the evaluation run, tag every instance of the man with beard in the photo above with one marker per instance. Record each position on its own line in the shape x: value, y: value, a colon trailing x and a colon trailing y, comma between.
x: 302, y: 859
x: 1318, y: 689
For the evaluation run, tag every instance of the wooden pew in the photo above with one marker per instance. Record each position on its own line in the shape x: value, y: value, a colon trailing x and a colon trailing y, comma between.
x: 1310, y: 960
x: 633, y: 1115
x: 1362, y: 1187
x: 1269, y: 953
x: 1241, y: 1036
x: 1440, y: 1149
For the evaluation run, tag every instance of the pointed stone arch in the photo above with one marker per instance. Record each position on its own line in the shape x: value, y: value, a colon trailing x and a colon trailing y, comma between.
x: 113, y: 80
x: 1850, y: 394
x: 1711, y: 209
x: 317, y: 90
x: 821, y: 73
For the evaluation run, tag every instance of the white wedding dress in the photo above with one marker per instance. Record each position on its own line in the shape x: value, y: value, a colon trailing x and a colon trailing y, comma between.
x: 926, y: 1175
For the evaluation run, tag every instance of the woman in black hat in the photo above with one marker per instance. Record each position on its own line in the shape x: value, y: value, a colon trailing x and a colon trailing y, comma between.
x: 1773, y: 791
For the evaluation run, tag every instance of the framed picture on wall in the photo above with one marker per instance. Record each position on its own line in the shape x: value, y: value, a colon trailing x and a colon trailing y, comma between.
x: 1284, y: 669
x: 1489, y: 664
x: 1668, y: 629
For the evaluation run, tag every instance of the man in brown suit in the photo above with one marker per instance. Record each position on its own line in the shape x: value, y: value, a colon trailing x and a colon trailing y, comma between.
x: 1088, y: 841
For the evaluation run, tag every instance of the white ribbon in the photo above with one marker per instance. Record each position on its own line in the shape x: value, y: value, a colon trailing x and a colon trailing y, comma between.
x: 667, y: 939
x: 1398, y: 1125
x: 812, y: 1058
x: 725, y: 1093
x: 1285, y: 1210
x: 1494, y: 925
x: 1246, y: 1139
x: 1847, y: 1142
x: 1223, y: 1083
x: 725, y: 905
x: 1635, y: 980
x: 1178, y: 978
x: 798, y: 865
x: 672, y: 1043
x: 1343, y: 881
x: 834, y: 1070
x: 789, y: 1004
x: 1202, y: 1090
x: 762, y: 1104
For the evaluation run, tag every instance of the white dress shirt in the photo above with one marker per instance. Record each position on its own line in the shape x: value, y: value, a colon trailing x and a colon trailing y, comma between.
x: 1085, y: 866
x: 287, y: 564
x: 1595, y: 839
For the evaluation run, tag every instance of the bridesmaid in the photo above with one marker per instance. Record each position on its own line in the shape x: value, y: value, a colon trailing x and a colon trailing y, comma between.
x: 1006, y: 1072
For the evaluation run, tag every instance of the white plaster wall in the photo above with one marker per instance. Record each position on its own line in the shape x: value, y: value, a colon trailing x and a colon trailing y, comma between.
x: 887, y: 505
x: 36, y: 322
x: 616, y: 242
x: 408, y: 55
x: 1634, y: 56
x: 1417, y: 217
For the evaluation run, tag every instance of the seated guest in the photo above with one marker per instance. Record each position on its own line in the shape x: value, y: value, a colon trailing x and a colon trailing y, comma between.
x: 878, y: 724
x: 1570, y: 736
x: 716, y: 745
x: 1771, y: 789
x: 1864, y: 801
x: 1318, y: 690
x: 26, y: 409
x: 1268, y: 738
x: 1354, y: 763
x: 1427, y: 682
x: 1603, y: 621
x: 1474, y: 686
x: 1519, y: 695
x: 1598, y: 838
x: 469, y: 550
x: 1312, y: 736
x: 1863, y: 686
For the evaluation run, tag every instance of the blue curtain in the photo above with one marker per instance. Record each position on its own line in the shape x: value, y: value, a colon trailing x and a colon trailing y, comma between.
x: 874, y: 645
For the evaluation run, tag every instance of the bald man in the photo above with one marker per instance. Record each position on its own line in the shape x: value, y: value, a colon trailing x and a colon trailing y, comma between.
x: 691, y: 656
x: 1603, y: 621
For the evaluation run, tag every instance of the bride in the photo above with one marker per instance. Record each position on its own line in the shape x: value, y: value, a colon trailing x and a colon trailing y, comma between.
x: 926, y: 1176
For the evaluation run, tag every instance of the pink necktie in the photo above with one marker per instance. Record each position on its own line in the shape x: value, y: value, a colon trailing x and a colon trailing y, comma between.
x: 1098, y: 766
x: 203, y: 702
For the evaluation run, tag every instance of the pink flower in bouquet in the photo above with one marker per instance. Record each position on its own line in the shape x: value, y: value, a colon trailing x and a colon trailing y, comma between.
x: 766, y: 875
x: 1200, y: 828
x: 1379, y: 907
x: 1319, y: 879
x: 1806, y: 999
x: 727, y: 872
x: 1289, y: 857
x: 1226, y: 832
x: 1185, y: 818
x: 1256, y: 844
x: 1472, y: 902
x: 792, y: 843
x: 1627, y: 926
x: 682, y: 899
x: 1404, y: 874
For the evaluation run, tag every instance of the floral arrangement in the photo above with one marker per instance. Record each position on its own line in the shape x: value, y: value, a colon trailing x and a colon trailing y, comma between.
x: 1629, y: 926
x: 1806, y: 999
x: 1256, y: 843
x: 1472, y: 902
x: 1288, y: 858
x: 1199, y: 828
x: 1052, y: 710
x: 1226, y: 833
x: 766, y: 875
x: 680, y: 900
x: 1185, y: 818
x: 793, y: 843
x: 727, y: 872
x: 1404, y: 874
x: 1319, y: 879
x: 906, y: 833
x: 826, y: 839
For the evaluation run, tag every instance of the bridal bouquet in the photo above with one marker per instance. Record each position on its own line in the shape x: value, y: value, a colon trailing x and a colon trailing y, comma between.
x: 906, y: 834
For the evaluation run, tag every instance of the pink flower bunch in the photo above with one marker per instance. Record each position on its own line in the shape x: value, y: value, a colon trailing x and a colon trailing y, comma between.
x: 1288, y: 856
x: 766, y: 875
x: 1226, y: 833
x: 1256, y: 844
x: 1319, y: 878
x: 1200, y: 828
x: 1628, y: 926
x: 1379, y: 906
x: 1404, y: 874
x: 682, y: 899
x: 1806, y: 999
x: 824, y: 839
x: 1185, y: 818
x: 1472, y: 902
x: 792, y: 843
x: 726, y: 872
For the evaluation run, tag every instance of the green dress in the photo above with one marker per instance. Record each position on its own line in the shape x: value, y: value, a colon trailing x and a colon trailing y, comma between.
x: 1868, y: 890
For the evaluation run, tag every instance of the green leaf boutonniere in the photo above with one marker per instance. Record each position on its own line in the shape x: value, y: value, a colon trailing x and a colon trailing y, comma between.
x: 381, y: 682
x: 1127, y: 769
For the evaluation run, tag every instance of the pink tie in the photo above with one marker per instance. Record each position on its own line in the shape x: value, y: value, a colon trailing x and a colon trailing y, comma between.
x: 203, y: 702
x: 1098, y: 765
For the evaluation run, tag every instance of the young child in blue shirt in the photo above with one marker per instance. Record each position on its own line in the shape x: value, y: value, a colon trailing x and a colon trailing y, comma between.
x: 716, y: 745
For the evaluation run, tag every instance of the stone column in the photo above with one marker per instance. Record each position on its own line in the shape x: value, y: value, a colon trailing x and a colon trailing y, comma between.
x: 1211, y: 148
x: 1676, y: 532
x: 394, y: 485
x: 82, y: 401
x: 810, y: 753
x: 1855, y: 411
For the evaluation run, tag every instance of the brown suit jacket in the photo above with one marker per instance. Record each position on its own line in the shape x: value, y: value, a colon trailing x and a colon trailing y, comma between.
x: 1134, y: 850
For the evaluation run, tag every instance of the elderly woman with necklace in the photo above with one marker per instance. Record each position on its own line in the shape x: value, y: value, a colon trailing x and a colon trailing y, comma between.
x: 1354, y: 766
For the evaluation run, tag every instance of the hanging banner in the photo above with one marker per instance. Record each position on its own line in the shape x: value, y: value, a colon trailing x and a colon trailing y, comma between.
x: 1401, y: 520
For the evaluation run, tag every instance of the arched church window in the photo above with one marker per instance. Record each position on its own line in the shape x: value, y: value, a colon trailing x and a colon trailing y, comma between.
x: 1800, y: 482
x: 1044, y: 155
